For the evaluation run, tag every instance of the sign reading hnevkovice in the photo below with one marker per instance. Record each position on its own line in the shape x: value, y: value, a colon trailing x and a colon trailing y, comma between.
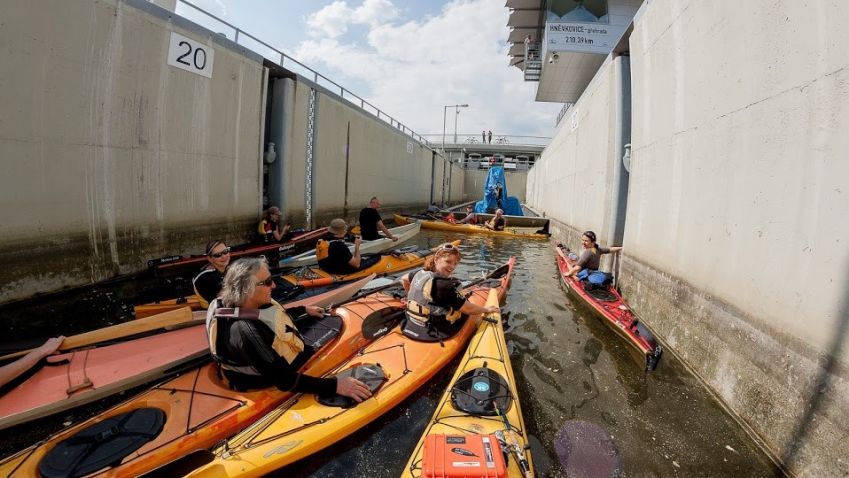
x: 582, y: 26
x: 581, y: 37
x: 190, y: 55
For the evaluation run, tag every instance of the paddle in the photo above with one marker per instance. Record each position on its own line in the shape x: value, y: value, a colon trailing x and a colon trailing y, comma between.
x: 495, y: 274
x: 508, y: 439
x: 182, y: 316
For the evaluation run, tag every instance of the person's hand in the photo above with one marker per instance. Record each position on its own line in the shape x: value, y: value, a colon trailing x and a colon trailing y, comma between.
x: 50, y: 346
x: 357, y: 241
x: 492, y: 309
x: 394, y: 239
x: 353, y: 388
x: 315, y: 311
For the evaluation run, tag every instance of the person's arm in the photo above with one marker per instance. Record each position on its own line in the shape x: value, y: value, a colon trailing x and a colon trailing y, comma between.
x: 580, y: 264
x: 13, y: 370
x: 356, y: 259
x: 385, y: 230
x: 406, y: 280
x: 280, y: 232
x: 573, y: 270
x: 470, y: 308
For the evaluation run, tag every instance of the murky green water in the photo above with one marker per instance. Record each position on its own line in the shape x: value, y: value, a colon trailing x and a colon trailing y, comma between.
x: 572, y: 370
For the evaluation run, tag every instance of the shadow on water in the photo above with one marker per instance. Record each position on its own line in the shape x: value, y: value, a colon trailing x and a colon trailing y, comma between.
x: 820, y: 385
x: 574, y: 376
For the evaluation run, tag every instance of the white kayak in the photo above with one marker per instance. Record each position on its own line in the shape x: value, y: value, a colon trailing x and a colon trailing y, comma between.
x: 403, y: 233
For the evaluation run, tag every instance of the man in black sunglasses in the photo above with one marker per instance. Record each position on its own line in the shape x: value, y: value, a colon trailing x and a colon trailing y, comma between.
x: 208, y: 282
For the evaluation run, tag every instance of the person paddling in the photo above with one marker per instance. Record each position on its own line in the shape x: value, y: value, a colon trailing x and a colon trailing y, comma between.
x: 207, y: 284
x: 590, y: 258
x: 435, y: 306
x: 255, y: 340
x: 371, y: 222
x: 471, y: 217
x: 498, y: 222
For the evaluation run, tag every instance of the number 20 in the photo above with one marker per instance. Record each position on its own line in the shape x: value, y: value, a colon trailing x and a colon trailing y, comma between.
x: 195, y: 58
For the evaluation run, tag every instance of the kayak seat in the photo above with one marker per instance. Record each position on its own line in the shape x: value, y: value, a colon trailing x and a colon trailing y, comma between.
x: 103, y: 444
x: 438, y: 332
x: 482, y: 393
x: 372, y: 375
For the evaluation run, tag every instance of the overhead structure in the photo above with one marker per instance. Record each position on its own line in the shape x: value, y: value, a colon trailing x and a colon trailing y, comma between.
x: 562, y: 43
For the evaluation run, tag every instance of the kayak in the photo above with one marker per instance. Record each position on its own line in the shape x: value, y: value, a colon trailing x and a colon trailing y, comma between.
x: 613, y: 310
x: 466, y: 228
x: 387, y: 263
x: 393, y: 366
x: 403, y: 233
x: 75, y: 378
x: 479, y: 411
x: 197, y: 409
x: 284, y: 293
x: 191, y: 264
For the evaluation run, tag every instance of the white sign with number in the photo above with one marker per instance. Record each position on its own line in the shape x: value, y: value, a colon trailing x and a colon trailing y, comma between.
x: 582, y: 37
x: 187, y: 54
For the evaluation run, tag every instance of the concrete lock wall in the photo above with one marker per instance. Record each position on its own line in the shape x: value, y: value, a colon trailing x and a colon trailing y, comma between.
x: 112, y: 156
x: 572, y: 181
x: 736, y: 238
x: 381, y: 160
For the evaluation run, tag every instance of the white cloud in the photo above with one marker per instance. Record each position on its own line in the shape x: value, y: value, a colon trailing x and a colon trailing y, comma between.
x: 415, y: 68
x: 333, y: 20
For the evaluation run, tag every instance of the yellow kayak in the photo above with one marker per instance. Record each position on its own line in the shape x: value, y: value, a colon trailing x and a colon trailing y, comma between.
x: 388, y: 263
x: 393, y: 366
x: 466, y: 228
x: 479, y: 413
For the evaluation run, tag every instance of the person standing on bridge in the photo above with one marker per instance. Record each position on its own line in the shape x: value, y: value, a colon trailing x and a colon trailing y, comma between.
x: 483, y: 136
x: 371, y: 222
x: 489, y: 137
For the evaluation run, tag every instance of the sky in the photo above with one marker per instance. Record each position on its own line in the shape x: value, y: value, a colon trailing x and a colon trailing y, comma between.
x: 410, y: 58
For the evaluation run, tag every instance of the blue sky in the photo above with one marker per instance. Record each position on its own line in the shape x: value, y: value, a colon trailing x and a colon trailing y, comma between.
x: 409, y: 58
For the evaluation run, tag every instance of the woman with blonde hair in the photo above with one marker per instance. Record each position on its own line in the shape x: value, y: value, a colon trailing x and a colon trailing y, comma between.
x: 435, y: 307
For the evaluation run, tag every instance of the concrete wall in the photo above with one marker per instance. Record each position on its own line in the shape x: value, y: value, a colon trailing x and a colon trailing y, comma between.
x: 475, y: 179
x: 111, y: 156
x: 378, y: 160
x: 736, y: 238
x: 571, y: 182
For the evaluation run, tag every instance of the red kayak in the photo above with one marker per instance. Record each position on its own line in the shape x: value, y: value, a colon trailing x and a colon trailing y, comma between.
x: 614, y: 311
x: 300, y: 242
x: 83, y: 376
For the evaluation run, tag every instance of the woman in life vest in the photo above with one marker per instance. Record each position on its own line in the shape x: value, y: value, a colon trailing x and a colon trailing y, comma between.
x: 471, y: 217
x: 269, y: 229
x: 255, y: 341
x: 590, y: 257
x: 435, y: 307
x: 208, y: 282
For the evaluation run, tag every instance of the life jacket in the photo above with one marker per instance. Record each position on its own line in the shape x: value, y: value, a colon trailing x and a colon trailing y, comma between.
x: 420, y: 306
x: 206, y: 270
x: 287, y: 340
x: 322, y: 247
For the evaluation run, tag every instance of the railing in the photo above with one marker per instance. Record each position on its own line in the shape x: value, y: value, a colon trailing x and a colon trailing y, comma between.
x: 476, y: 139
x: 262, y: 48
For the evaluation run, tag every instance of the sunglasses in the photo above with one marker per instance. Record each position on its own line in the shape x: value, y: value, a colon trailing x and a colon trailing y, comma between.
x: 219, y: 254
x: 448, y: 247
x: 267, y: 282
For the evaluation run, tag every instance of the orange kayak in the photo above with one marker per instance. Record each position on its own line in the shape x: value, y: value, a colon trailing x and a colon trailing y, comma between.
x: 395, y: 364
x: 83, y: 376
x: 198, y: 409
x: 389, y: 263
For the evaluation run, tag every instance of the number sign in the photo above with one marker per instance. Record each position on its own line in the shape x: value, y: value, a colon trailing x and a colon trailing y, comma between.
x: 189, y: 55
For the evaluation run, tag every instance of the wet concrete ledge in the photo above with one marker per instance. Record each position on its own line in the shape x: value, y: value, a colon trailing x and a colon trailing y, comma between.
x: 791, y: 399
x: 43, y: 265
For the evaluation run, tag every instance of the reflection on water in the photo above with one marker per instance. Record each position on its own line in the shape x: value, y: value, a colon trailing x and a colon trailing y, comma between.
x: 577, y: 381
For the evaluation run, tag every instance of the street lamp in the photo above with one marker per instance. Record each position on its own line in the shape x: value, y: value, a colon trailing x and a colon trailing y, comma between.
x: 444, y: 114
x: 444, y: 164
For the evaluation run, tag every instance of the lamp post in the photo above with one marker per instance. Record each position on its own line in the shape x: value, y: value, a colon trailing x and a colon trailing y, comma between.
x: 445, y: 165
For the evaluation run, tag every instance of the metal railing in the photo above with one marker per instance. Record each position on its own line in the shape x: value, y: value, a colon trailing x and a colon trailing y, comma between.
x: 286, y: 61
x: 502, y: 140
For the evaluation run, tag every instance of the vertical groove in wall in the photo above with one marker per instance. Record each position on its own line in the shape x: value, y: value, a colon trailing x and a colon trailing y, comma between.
x: 308, y: 192
x: 347, y: 164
